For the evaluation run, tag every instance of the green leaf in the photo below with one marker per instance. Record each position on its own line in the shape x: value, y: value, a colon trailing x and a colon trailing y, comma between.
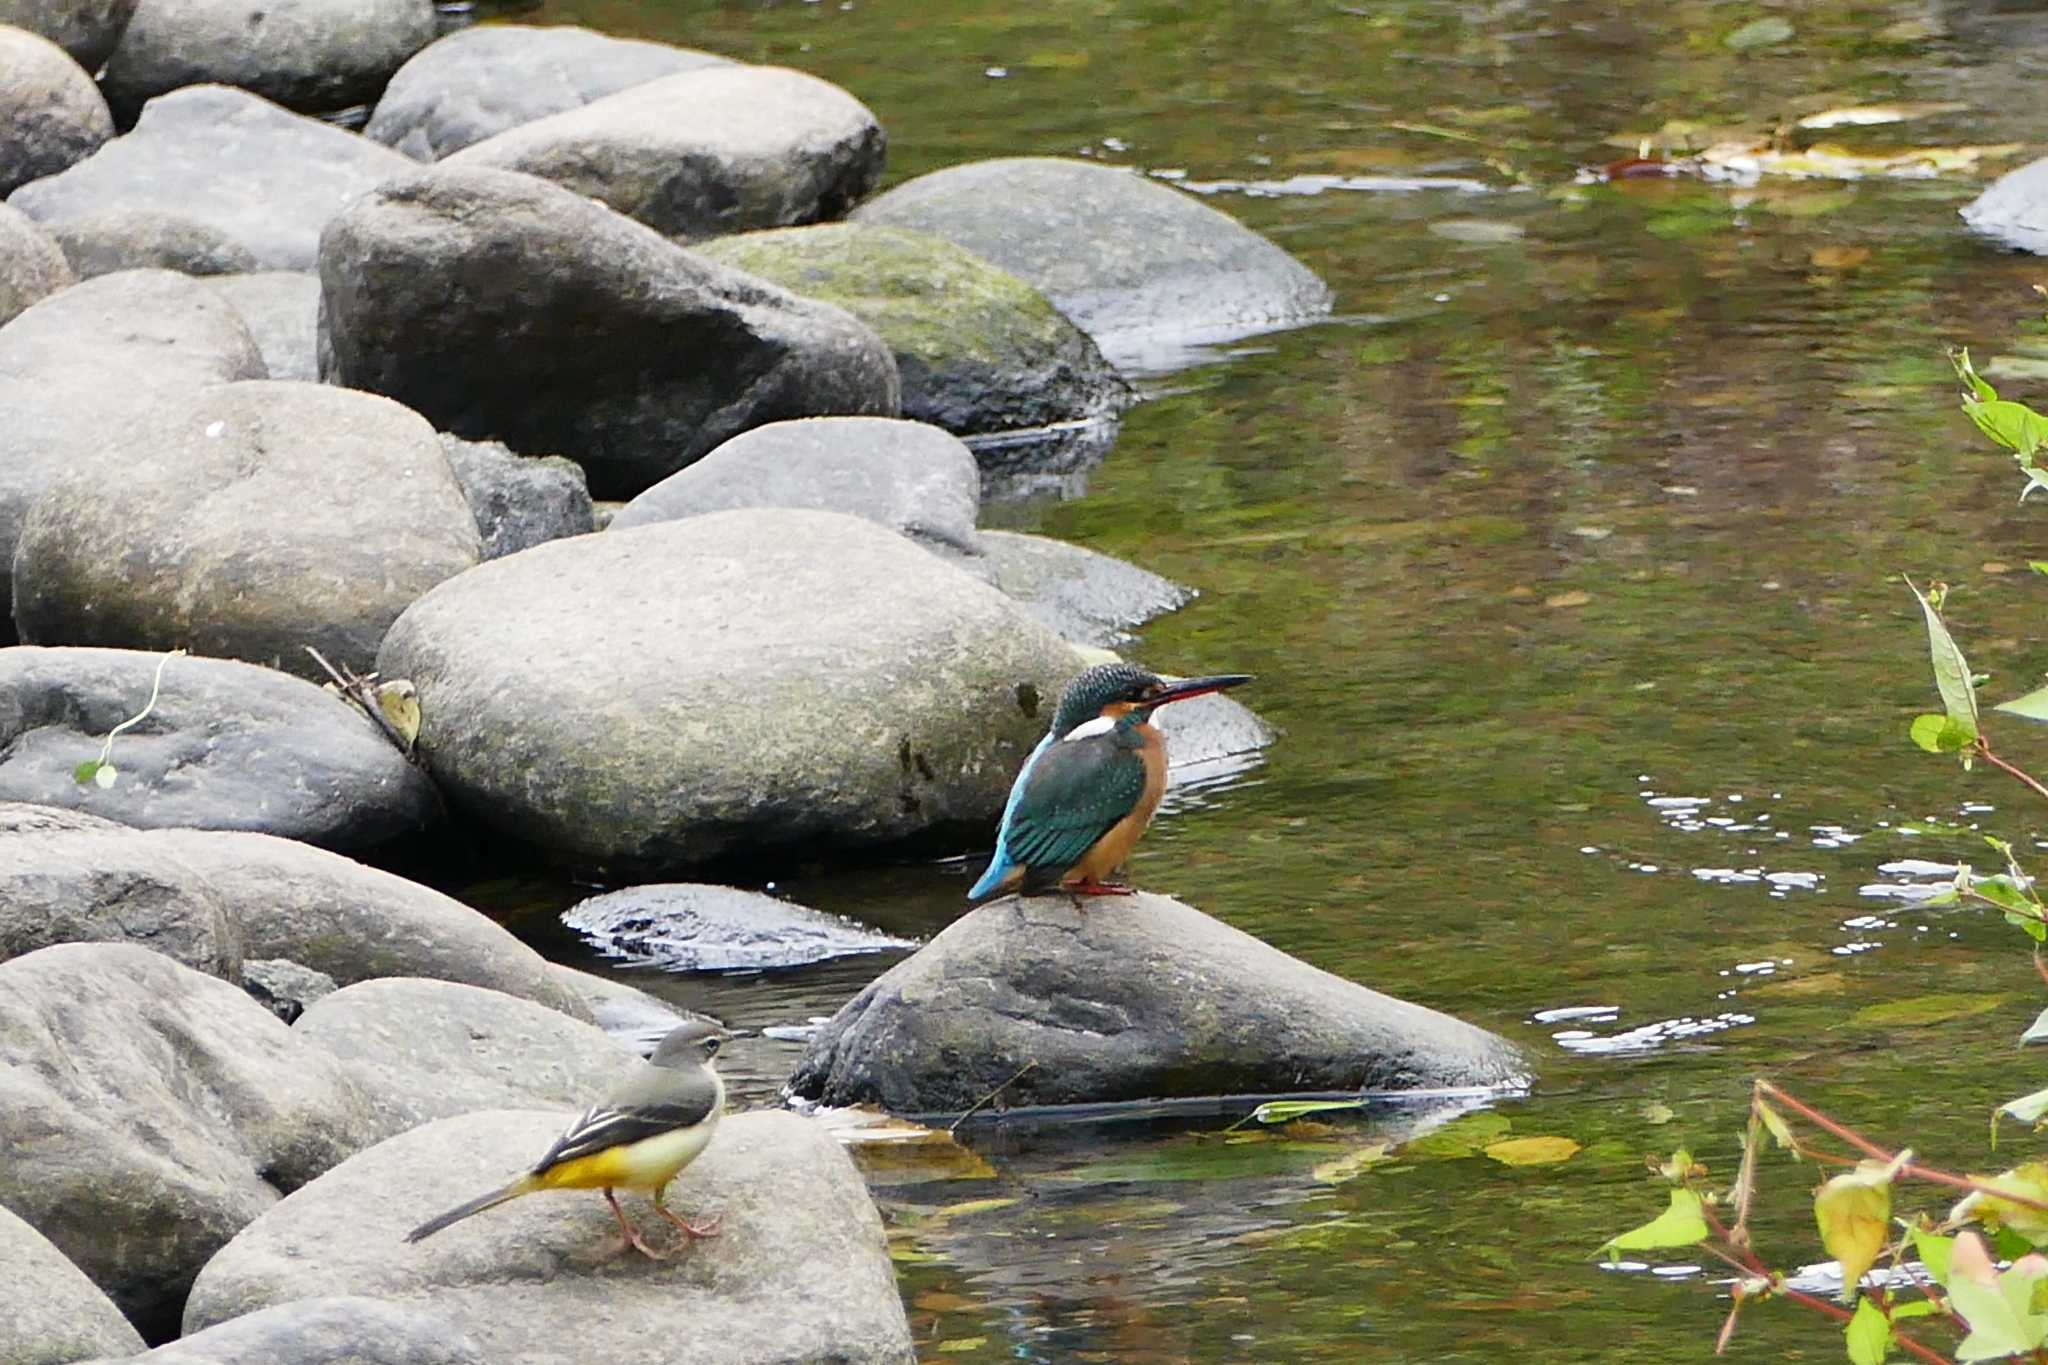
x: 1286, y: 1111
x: 1940, y: 735
x: 2038, y: 565
x: 1682, y: 1225
x: 2029, y: 1220
x: 1967, y: 372
x: 2038, y: 1030
x: 1951, y: 670
x: 1868, y: 1335
x: 1532, y: 1151
x: 2015, y: 426
x: 2033, y: 706
x: 2007, y: 893
x: 83, y: 773
x: 1461, y: 1137
x: 1766, y: 32
x: 1781, y: 1132
x: 2002, y: 1322
x: 1934, y: 1250
x: 1926, y: 1009
x: 1915, y: 1308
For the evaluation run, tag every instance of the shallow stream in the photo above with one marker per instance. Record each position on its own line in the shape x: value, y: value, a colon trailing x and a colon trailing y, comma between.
x: 1567, y: 560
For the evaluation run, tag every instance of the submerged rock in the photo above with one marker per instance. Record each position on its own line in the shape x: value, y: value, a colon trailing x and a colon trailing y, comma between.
x: 611, y: 344
x: 32, y: 265
x: 51, y: 114
x: 1130, y: 998
x: 2014, y: 210
x: 247, y: 521
x: 798, y: 1271
x: 1137, y: 265
x: 87, y: 29
x: 1090, y: 598
x: 145, y: 239
x: 159, y: 333
x: 55, y: 1314
x: 152, y: 1112
x: 266, y: 178
x: 477, y: 82
x: 979, y: 349
x: 281, y: 308
x: 694, y: 701
x: 912, y: 478
x: 338, y: 1330
x: 519, y: 501
x: 714, y: 150
x: 687, y: 927
x: 314, y: 55
x: 226, y: 746
x: 281, y: 899
x: 422, y: 1050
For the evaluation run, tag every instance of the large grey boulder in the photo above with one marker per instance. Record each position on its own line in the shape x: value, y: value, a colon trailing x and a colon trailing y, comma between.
x: 477, y: 82
x: 610, y: 344
x: 280, y: 899
x: 979, y: 349
x: 422, y: 1050
x: 1126, y: 998
x: 86, y: 29
x: 519, y: 501
x: 715, y: 150
x: 2014, y: 209
x: 247, y: 521
x: 101, y: 886
x: 314, y: 55
x: 912, y: 478
x: 281, y: 308
x: 1138, y: 266
x: 51, y: 114
x: 227, y: 746
x: 160, y: 333
x: 32, y: 265
x: 338, y: 1330
x: 149, y: 1112
x: 627, y: 1013
x: 267, y: 178
x: 1089, y: 597
x: 145, y: 239
x: 691, y: 927
x: 694, y: 698
x: 797, y: 1272
x: 55, y: 1314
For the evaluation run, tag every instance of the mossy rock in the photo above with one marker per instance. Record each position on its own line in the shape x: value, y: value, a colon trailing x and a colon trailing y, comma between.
x: 980, y: 350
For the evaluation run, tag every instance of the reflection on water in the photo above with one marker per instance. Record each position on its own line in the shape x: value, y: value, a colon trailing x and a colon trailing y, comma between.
x: 1587, y: 482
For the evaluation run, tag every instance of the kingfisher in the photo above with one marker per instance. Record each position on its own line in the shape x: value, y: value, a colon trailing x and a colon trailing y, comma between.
x: 1089, y: 789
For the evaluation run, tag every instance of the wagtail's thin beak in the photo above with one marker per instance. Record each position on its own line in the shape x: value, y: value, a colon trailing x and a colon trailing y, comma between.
x: 1198, y: 687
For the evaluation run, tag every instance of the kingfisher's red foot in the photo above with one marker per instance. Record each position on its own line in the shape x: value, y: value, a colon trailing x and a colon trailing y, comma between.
x: 1089, y: 887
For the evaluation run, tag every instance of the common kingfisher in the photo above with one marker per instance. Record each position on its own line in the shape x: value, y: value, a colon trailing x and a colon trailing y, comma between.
x: 1089, y: 789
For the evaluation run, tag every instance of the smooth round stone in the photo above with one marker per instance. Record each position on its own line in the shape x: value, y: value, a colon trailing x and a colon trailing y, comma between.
x: 51, y: 114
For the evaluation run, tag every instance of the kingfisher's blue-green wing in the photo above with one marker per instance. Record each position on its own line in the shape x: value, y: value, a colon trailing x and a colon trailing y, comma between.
x: 1078, y: 790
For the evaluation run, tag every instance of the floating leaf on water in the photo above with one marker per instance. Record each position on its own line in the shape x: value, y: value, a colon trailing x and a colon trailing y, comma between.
x: 961, y: 1344
x: 1461, y: 1137
x: 1838, y: 257
x: 1770, y: 31
x: 1748, y: 161
x: 1870, y: 115
x: 1574, y: 598
x: 1532, y: 1151
x: 1853, y: 1212
x: 1351, y: 1164
x: 1683, y: 1224
x: 1286, y: 1111
x: 1658, y: 1112
x: 1868, y: 1335
x: 1926, y: 1009
x: 939, y: 1301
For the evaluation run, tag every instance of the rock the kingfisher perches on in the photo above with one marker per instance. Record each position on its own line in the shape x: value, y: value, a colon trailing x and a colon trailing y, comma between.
x: 1089, y: 789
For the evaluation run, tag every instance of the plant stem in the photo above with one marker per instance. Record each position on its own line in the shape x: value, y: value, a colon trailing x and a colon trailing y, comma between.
x: 1841, y: 1314
x: 1872, y: 1150
x: 1984, y: 748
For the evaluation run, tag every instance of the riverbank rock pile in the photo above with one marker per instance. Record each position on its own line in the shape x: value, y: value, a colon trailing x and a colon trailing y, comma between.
x: 271, y: 383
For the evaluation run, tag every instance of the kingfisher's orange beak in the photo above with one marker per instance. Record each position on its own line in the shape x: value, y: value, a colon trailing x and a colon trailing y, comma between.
x: 1196, y: 687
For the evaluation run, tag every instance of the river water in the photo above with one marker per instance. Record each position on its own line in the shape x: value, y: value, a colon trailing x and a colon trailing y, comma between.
x: 1567, y: 557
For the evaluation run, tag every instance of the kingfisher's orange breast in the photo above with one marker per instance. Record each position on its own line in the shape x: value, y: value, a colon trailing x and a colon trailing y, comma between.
x: 1113, y: 849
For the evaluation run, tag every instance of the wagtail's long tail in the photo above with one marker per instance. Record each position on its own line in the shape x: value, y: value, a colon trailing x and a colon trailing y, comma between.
x: 525, y: 1184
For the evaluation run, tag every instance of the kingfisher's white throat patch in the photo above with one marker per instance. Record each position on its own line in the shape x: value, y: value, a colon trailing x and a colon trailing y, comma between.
x: 1088, y: 729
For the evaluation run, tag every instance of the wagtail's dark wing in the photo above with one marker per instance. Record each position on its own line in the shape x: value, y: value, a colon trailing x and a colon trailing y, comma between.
x: 1078, y: 790
x: 656, y: 1102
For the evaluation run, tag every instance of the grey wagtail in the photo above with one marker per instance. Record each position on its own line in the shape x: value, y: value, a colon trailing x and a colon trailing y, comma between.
x: 639, y: 1137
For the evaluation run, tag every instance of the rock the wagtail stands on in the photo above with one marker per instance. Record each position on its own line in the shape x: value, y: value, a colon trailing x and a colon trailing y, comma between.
x: 1089, y: 789
x: 639, y: 1137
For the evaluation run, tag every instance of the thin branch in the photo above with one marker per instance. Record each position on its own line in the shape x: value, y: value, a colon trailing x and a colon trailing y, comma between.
x: 1872, y: 1150
x: 954, y: 1126
x: 1841, y: 1314
x: 1984, y: 748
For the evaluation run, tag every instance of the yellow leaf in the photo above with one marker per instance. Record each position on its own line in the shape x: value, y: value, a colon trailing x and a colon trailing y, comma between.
x: 1343, y: 1168
x: 939, y: 1301
x: 1827, y: 161
x: 1854, y: 1212
x: 400, y: 703
x: 2030, y: 1181
x: 1658, y: 1112
x: 1532, y: 1151
x: 1568, y: 599
x: 959, y: 1344
x: 1838, y: 257
x: 1870, y: 115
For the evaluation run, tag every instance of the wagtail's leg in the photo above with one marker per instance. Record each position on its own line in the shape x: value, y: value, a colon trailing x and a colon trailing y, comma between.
x: 707, y: 1228
x: 632, y: 1233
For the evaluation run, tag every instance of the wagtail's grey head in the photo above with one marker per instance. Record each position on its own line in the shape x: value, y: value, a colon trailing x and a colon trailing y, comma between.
x: 691, y: 1044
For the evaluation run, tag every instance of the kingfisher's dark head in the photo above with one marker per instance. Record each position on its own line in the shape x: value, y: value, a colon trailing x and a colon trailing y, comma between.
x: 1114, y: 689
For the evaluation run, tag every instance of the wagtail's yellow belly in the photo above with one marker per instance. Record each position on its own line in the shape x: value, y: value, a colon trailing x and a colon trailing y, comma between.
x: 644, y: 1165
